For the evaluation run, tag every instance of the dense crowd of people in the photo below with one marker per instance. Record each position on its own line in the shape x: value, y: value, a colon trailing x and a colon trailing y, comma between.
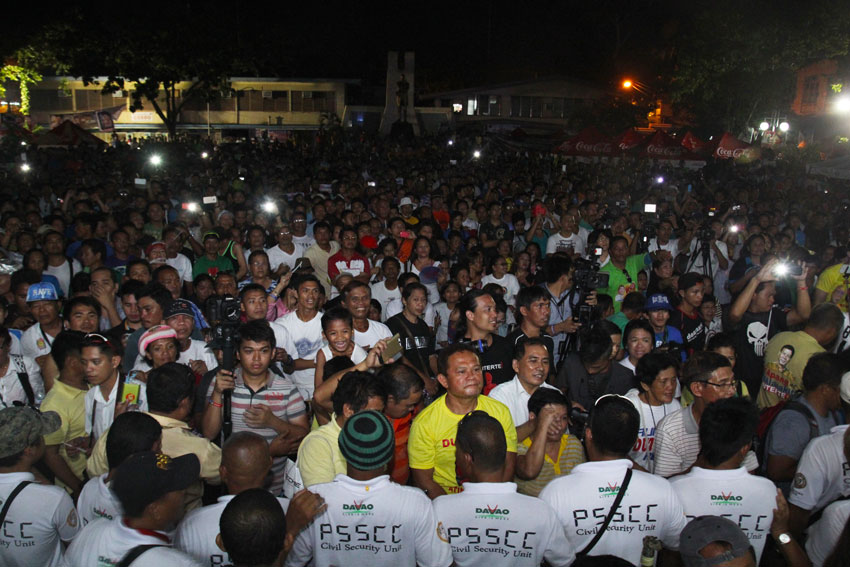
x: 347, y: 350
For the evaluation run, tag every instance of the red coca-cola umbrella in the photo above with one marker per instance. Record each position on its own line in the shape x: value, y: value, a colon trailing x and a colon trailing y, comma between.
x: 694, y: 144
x: 626, y: 141
x: 583, y: 144
x: 730, y: 147
x: 662, y: 146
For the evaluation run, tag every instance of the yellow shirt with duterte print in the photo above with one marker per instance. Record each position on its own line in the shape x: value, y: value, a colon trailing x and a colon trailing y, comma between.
x: 432, y: 438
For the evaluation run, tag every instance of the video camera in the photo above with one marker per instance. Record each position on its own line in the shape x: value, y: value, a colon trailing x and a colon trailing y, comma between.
x: 224, y: 313
x: 587, y: 278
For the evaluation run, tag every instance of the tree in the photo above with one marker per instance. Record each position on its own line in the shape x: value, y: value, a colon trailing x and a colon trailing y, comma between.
x: 736, y: 62
x: 24, y: 77
x: 150, y: 63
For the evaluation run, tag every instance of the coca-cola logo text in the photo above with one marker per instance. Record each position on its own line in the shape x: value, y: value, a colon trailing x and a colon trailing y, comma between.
x: 727, y: 153
x: 670, y: 151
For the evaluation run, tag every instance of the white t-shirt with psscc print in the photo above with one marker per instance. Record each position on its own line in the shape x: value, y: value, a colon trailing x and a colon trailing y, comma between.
x: 746, y: 499
x: 825, y: 533
x: 103, y: 543
x: 38, y: 520
x: 97, y: 501
x: 581, y: 501
x: 374, y: 522
x: 489, y: 524
x: 196, y: 534
x: 823, y: 474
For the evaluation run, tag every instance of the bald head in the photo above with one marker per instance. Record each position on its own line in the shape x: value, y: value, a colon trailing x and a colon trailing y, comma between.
x: 245, y: 462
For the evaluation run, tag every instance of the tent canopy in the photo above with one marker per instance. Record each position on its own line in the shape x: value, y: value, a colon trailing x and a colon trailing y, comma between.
x: 68, y: 134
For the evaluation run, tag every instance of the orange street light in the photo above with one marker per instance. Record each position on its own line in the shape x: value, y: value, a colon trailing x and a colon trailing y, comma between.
x: 627, y: 84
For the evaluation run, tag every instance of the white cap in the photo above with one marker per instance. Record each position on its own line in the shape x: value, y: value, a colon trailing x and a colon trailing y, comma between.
x: 405, y: 201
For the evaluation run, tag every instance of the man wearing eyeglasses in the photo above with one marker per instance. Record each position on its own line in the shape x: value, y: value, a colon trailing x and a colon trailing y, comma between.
x: 709, y: 377
x: 300, y: 236
x: 286, y: 252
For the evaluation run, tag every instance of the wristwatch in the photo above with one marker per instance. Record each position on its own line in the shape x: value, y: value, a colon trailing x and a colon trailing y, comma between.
x: 784, y: 538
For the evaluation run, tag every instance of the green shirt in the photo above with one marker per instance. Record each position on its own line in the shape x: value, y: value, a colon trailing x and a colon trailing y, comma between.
x: 623, y: 282
x: 619, y: 318
x: 204, y: 265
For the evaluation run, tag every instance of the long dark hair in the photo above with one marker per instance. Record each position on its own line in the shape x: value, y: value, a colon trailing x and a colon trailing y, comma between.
x: 468, y: 302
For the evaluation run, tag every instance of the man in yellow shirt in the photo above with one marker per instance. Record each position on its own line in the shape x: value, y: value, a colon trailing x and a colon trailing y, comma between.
x: 431, y: 448
x: 833, y: 286
x: 319, y: 457
x: 65, y: 448
x: 170, y: 396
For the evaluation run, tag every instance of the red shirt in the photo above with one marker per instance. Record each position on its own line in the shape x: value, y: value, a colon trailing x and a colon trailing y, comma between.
x: 355, y: 266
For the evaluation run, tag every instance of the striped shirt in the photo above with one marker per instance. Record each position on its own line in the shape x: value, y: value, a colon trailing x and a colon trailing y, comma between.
x: 677, y: 444
x: 570, y: 454
x: 281, y: 397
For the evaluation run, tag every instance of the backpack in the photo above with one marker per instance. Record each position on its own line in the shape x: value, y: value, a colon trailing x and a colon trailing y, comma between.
x: 768, y: 416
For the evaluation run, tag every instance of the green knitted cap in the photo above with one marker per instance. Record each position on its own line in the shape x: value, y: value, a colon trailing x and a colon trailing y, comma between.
x: 367, y: 440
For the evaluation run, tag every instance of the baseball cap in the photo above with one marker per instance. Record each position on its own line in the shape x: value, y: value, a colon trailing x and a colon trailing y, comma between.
x: 845, y: 387
x: 146, y: 477
x: 366, y: 440
x: 212, y: 234
x: 42, y: 291
x: 657, y: 301
x: 178, y: 307
x: 154, y: 334
x: 152, y: 246
x: 704, y: 530
x: 405, y: 201
x: 21, y: 426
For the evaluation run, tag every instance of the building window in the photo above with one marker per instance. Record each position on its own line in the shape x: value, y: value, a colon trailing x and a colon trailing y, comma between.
x: 313, y: 101
x: 471, y: 106
x: 558, y: 107
x: 516, y: 106
x: 811, y: 90
x: 50, y: 100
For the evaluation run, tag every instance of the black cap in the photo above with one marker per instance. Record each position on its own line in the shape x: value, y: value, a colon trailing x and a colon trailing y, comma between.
x: 146, y: 477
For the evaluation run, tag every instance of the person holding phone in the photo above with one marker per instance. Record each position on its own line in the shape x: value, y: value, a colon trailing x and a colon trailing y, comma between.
x: 107, y: 396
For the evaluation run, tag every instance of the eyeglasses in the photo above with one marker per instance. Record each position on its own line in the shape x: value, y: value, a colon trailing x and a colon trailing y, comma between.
x: 724, y: 386
x: 284, y: 233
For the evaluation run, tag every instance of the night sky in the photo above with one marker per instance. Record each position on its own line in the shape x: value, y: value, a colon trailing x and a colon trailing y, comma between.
x: 456, y: 43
